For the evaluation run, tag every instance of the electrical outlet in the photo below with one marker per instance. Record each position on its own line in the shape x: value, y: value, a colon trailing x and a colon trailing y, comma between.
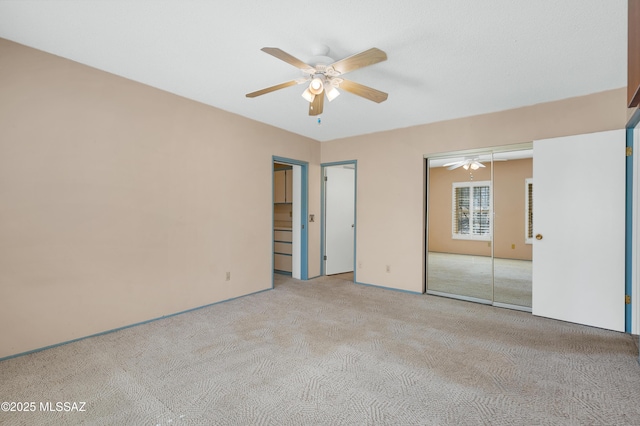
x: 388, y: 268
x: 312, y: 218
x: 513, y: 246
x: 228, y: 276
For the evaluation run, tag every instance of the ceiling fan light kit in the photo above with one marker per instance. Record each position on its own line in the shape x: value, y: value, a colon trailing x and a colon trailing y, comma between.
x: 316, y: 86
x: 324, y: 78
x: 332, y: 93
x: 308, y: 95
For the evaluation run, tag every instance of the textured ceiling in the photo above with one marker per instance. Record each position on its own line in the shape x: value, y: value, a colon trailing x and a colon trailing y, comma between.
x: 446, y: 58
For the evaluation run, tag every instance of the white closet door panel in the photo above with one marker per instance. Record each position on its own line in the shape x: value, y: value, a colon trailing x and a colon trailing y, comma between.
x: 579, y: 210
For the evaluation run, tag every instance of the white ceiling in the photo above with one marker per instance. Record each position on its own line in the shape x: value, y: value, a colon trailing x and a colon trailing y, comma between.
x: 446, y: 58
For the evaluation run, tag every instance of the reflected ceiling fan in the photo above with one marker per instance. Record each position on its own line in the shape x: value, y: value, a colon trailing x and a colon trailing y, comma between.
x: 469, y: 163
x: 325, y: 76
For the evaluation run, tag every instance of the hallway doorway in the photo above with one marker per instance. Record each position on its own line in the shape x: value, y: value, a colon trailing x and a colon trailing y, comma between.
x: 338, y: 218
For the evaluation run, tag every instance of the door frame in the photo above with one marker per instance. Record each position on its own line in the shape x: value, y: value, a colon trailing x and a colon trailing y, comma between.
x: 304, y: 217
x: 632, y: 234
x: 323, y: 214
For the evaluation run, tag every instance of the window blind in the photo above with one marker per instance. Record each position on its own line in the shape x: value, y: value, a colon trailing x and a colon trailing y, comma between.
x: 481, y: 210
x: 461, y: 218
x: 471, y: 209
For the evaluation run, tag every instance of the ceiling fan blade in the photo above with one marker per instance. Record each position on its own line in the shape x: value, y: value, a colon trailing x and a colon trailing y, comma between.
x: 315, y: 107
x: 272, y: 88
x: 284, y: 56
x: 455, y: 166
x: 359, y: 60
x: 480, y: 164
x: 364, y: 91
x: 452, y: 163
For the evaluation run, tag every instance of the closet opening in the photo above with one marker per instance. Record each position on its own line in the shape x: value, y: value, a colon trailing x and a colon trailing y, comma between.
x: 289, y: 213
x: 479, y: 223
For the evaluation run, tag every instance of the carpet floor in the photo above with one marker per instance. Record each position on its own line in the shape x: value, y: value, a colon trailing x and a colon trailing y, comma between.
x: 330, y: 352
x: 505, y: 280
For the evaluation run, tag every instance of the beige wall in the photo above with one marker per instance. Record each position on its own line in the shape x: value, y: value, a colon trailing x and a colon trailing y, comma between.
x: 121, y: 203
x: 509, y: 208
x: 390, y: 193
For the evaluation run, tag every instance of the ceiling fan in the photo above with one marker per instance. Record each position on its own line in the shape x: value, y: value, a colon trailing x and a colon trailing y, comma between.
x: 468, y: 163
x: 325, y: 76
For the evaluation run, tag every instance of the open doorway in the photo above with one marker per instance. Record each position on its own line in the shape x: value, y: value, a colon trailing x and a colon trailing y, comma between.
x: 339, y: 219
x: 289, y: 213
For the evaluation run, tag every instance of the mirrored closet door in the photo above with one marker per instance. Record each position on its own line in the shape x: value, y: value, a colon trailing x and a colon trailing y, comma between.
x: 478, y: 218
x: 513, y: 228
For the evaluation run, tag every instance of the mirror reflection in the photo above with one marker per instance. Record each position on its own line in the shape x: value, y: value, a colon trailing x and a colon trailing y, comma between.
x: 459, y: 219
x: 513, y: 224
x: 479, y: 224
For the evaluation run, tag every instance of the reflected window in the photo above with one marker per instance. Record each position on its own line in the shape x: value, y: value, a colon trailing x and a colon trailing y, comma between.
x: 471, y: 210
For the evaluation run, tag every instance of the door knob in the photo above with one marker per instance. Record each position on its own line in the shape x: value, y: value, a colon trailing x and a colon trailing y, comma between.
x: 539, y: 237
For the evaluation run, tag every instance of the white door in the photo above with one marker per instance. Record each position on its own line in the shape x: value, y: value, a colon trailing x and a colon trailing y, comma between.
x: 579, y: 216
x: 339, y: 218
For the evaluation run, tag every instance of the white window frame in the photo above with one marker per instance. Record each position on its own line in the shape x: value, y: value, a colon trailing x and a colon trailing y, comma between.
x: 527, y: 239
x: 471, y: 185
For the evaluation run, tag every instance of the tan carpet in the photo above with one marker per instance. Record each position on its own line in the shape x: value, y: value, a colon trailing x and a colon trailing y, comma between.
x: 473, y: 276
x: 330, y: 352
